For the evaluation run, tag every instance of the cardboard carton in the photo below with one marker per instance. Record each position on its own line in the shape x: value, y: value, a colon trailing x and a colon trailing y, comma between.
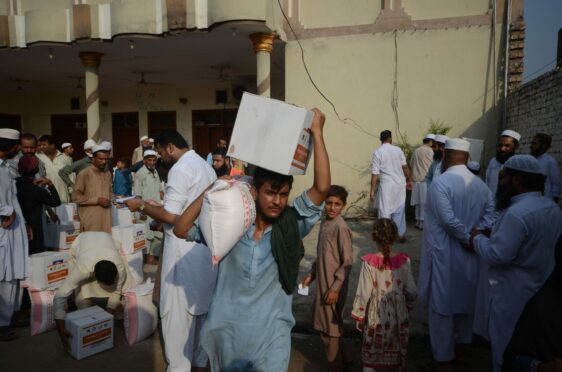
x: 121, y: 216
x: 61, y: 236
x: 67, y: 212
x: 91, y: 330
x: 272, y: 134
x: 48, y: 270
x: 131, y: 237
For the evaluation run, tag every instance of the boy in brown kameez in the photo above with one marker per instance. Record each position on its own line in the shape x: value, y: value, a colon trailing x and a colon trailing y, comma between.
x: 331, y: 269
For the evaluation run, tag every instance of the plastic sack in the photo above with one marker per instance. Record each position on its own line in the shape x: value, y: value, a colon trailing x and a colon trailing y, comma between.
x: 227, y: 213
x: 141, y: 316
x: 42, y: 317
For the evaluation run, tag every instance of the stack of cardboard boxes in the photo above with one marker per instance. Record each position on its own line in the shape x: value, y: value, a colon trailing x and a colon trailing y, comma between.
x: 60, y: 235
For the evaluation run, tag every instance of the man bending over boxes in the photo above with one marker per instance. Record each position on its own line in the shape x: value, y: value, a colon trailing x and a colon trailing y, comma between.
x: 97, y: 271
x: 249, y: 323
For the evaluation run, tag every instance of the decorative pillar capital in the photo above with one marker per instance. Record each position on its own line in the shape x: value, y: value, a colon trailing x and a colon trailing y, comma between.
x: 262, y: 42
x: 91, y: 59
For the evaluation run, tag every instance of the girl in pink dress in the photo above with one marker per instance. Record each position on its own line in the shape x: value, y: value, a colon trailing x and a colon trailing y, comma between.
x: 385, y: 293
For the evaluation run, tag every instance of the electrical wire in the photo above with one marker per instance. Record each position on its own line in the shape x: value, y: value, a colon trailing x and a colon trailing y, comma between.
x: 347, y: 121
x: 394, y: 99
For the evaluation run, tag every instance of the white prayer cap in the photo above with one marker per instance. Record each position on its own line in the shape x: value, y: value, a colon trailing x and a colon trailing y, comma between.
x: 511, y: 133
x: 150, y: 153
x: 523, y: 163
x: 457, y: 144
x: 97, y: 148
x: 65, y: 145
x: 10, y: 134
x: 473, y: 166
x: 107, y: 145
x: 441, y: 138
x: 151, y: 140
x: 430, y: 136
x: 143, y: 138
x: 89, y: 144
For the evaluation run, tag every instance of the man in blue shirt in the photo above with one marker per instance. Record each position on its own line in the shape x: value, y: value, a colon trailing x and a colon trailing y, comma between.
x: 249, y: 323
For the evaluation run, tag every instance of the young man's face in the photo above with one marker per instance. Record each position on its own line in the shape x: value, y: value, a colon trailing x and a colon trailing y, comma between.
x: 100, y: 159
x: 507, y: 145
x: 69, y: 150
x: 537, y: 148
x: 270, y: 203
x: 165, y: 154
x: 218, y: 161
x: 28, y: 146
x: 334, y: 207
x: 45, y: 148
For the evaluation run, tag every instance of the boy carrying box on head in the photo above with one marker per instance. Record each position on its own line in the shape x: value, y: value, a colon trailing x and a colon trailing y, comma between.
x: 334, y: 259
x: 249, y: 323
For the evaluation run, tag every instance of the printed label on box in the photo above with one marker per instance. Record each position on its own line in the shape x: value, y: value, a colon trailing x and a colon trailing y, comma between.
x: 57, y: 271
x: 96, y: 333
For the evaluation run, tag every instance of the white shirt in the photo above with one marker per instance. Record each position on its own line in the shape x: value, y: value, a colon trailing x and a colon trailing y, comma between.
x: 553, y: 183
x: 52, y: 168
x: 492, y: 175
x: 14, y: 246
x: 187, y: 264
x: 520, y: 253
x: 387, y: 163
x: 457, y: 202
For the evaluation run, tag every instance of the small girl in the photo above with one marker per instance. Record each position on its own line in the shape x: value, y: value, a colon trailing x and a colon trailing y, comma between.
x: 385, y: 293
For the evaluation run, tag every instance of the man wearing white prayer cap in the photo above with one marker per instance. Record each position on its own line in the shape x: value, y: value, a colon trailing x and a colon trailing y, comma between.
x: 520, y: 249
x: 13, y: 237
x: 438, y: 152
x: 474, y: 167
x: 457, y: 202
x: 508, y: 143
x: 139, y: 151
x: 420, y: 164
x: 68, y: 151
x: 92, y: 192
x: 69, y: 173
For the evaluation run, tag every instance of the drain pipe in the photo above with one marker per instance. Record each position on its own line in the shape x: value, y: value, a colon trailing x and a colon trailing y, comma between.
x: 506, y: 63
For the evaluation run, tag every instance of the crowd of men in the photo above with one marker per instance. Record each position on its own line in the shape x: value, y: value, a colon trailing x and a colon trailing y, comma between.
x: 488, y: 247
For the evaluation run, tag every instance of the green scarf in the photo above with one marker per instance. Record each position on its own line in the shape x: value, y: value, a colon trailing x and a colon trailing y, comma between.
x: 287, y: 248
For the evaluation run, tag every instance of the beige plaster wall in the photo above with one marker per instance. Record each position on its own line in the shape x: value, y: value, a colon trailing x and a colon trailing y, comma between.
x: 432, y: 9
x: 442, y: 75
x: 331, y: 13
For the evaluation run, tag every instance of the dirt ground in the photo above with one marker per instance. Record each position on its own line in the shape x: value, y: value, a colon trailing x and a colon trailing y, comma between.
x: 44, y: 352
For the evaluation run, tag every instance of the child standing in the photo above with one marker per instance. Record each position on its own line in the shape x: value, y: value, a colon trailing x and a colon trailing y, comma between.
x: 332, y: 267
x: 122, y: 179
x: 385, y: 293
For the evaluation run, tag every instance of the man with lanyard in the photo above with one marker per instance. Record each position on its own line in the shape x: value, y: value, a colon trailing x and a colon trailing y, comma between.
x: 389, y: 165
x: 507, y: 145
x: 13, y: 237
x: 188, y: 279
x: 420, y: 163
x: 457, y: 202
x: 249, y: 323
x: 520, y: 249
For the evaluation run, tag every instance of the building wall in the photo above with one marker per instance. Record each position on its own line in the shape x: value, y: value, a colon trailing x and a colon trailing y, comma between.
x: 443, y: 73
x: 536, y: 107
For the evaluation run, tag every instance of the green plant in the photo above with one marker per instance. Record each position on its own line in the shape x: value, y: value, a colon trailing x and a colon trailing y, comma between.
x: 438, y: 127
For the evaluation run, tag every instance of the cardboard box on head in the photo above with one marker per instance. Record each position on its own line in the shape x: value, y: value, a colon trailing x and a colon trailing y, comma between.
x: 91, y: 330
x: 272, y: 134
x: 48, y: 270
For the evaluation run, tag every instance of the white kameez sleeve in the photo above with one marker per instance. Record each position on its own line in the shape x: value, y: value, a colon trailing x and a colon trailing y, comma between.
x: 447, y: 217
x: 502, y: 247
x: 70, y: 284
x: 6, y: 210
x: 363, y: 294
x: 490, y: 214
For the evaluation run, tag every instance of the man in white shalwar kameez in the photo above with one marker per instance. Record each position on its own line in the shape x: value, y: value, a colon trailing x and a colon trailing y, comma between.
x: 188, y: 278
x: 389, y: 165
x: 508, y: 143
x: 457, y: 202
x: 422, y: 158
x: 549, y: 166
x: 438, y: 153
x: 520, y: 250
x: 13, y: 237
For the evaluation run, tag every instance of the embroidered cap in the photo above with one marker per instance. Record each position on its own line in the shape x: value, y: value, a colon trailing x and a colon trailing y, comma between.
x: 511, y: 133
x: 65, y: 145
x: 150, y: 153
x: 523, y: 163
x: 441, y: 138
x: 89, y: 144
x: 8, y: 133
x: 457, y: 144
x: 473, y: 166
x: 143, y: 138
x: 430, y: 136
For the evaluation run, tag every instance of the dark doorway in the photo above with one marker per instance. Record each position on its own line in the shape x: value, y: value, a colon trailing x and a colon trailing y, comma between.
x: 70, y: 128
x: 10, y: 121
x: 160, y: 120
x: 125, y: 134
x: 209, y: 126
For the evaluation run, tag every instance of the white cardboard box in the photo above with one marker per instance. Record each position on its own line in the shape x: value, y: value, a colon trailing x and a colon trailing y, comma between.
x: 121, y: 216
x: 61, y: 235
x: 272, y: 134
x: 48, y: 270
x: 67, y: 212
x: 131, y: 237
x: 91, y: 330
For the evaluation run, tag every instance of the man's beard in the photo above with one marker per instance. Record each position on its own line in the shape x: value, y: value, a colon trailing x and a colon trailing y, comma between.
x: 502, y: 157
x: 266, y: 219
x: 222, y: 171
x: 503, y: 196
x: 437, y: 155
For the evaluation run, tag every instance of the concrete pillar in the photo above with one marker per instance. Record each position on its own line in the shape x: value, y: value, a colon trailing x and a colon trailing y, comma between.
x: 91, y: 62
x: 263, y: 45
